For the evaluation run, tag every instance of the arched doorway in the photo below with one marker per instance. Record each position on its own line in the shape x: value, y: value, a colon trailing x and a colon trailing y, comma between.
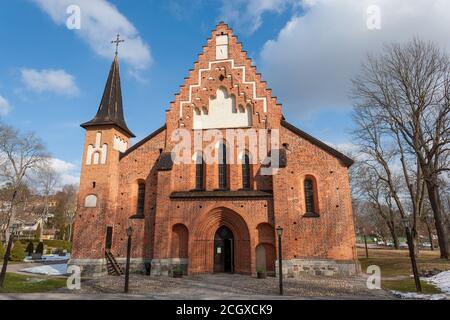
x: 223, y: 250
x: 202, y: 243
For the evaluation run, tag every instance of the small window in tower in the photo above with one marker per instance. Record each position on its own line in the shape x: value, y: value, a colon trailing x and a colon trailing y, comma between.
x: 141, y: 199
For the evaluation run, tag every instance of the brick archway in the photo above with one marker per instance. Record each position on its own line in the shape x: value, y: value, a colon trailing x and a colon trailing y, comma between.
x: 201, y: 256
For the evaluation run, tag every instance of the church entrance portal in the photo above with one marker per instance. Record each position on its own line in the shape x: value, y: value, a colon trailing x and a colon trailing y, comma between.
x: 224, y: 250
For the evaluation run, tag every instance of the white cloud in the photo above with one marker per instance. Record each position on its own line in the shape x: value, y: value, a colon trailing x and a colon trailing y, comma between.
x: 310, y: 64
x: 349, y: 149
x: 246, y: 15
x: 100, y: 22
x: 5, y: 107
x: 48, y: 80
x: 69, y: 172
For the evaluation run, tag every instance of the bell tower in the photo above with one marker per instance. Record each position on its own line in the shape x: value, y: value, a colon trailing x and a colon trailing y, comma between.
x: 107, y: 136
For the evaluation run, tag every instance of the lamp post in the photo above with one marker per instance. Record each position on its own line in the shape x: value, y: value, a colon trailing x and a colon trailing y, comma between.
x: 280, y: 259
x: 127, y: 268
x: 407, y: 226
x: 13, y: 230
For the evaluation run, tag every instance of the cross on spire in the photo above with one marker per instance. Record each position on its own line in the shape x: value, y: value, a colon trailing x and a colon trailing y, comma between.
x: 117, y: 42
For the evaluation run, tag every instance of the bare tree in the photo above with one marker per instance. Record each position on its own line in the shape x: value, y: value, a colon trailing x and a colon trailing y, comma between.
x: 20, y: 155
x: 387, y: 167
x: 375, y: 193
x: 428, y: 221
x: 65, y: 210
x: 47, y: 180
x: 407, y: 89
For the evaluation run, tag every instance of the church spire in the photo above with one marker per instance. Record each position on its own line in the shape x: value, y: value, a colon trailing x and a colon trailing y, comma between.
x: 110, y: 111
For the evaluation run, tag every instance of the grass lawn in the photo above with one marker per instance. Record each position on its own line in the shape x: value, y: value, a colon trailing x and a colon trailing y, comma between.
x: 18, y: 283
x: 408, y: 285
x: 397, y: 264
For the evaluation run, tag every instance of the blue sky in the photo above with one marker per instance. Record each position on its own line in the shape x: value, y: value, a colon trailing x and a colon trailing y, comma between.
x: 52, y: 78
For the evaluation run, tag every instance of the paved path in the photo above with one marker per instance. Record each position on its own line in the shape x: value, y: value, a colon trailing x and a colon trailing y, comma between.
x: 214, y: 286
x: 122, y: 296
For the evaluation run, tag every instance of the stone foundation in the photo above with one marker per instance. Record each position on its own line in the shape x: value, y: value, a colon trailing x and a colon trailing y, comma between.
x: 90, y: 267
x: 97, y: 267
x: 163, y: 267
x: 293, y: 268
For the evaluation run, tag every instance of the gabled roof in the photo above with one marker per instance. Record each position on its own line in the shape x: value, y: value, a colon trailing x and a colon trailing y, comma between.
x: 110, y: 111
x: 140, y: 143
x: 345, y: 160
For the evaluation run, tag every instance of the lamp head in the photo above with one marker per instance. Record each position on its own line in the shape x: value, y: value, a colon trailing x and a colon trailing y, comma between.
x: 129, y: 231
x: 279, y: 231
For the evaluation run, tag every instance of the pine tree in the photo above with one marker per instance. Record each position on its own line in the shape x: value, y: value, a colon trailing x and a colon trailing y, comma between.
x: 40, y: 248
x: 30, y: 248
x: 17, y: 252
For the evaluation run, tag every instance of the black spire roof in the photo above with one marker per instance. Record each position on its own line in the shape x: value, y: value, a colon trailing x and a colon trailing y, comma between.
x: 110, y: 111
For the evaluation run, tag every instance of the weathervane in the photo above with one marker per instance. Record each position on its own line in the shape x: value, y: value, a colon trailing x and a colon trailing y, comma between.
x: 117, y: 42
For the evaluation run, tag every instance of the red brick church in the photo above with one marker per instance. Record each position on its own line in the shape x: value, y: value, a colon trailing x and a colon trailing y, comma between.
x: 212, y: 216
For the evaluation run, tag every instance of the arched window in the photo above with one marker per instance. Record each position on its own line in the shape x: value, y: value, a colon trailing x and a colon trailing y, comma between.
x: 246, y: 171
x: 310, y: 196
x: 223, y: 174
x: 199, y: 172
x: 140, y: 199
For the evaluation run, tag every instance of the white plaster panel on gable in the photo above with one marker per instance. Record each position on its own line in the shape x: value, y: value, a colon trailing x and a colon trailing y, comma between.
x: 120, y: 144
x: 90, y: 152
x: 97, y: 154
x: 199, y: 83
x: 222, y: 52
x: 96, y: 157
x: 221, y: 40
x: 222, y: 113
x: 222, y: 47
x: 104, y: 153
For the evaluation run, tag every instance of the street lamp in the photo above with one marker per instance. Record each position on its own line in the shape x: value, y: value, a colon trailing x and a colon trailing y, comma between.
x: 127, y: 269
x: 13, y: 230
x: 280, y: 259
x: 407, y: 224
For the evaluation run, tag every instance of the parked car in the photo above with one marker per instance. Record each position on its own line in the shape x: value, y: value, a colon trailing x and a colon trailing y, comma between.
x: 425, y: 245
x: 403, y: 245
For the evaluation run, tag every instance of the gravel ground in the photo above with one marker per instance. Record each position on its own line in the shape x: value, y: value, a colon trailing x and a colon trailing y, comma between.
x: 230, y: 286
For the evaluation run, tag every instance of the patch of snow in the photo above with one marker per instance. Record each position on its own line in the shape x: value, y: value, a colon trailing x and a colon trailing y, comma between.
x: 421, y: 296
x: 49, y: 257
x: 35, y: 280
x: 55, y: 257
x: 49, y: 270
x: 441, y: 281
